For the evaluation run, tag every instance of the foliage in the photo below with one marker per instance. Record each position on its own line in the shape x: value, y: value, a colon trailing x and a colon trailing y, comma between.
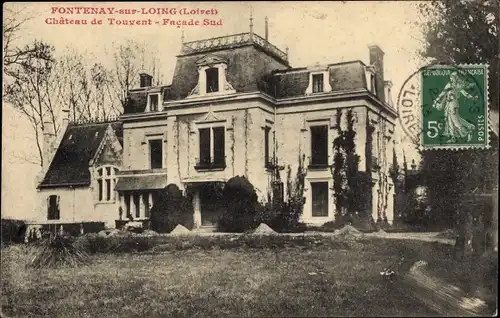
x: 352, y: 187
x: 170, y: 209
x: 58, y: 250
x: 242, y: 206
x: 13, y: 231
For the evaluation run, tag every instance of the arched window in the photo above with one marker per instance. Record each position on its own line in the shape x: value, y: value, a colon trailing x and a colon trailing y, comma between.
x: 106, y: 180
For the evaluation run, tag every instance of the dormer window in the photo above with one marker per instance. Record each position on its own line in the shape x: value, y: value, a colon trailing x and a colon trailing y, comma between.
x: 371, y: 79
x: 153, y: 103
x: 212, y: 80
x: 317, y: 83
x: 212, y: 77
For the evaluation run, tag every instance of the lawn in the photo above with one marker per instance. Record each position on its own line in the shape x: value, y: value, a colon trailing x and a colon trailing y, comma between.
x: 309, y: 280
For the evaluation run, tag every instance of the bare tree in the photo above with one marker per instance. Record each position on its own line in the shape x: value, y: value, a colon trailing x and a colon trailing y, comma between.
x: 129, y: 59
x: 34, y: 91
x: 15, y: 56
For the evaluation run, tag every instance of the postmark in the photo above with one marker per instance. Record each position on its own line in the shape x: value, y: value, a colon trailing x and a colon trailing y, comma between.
x: 446, y: 107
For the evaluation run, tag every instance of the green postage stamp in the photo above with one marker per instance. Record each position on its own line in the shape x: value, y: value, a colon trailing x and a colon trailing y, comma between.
x: 454, y: 112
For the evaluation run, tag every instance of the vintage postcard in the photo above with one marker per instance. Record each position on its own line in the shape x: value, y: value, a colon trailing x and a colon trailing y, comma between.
x: 250, y: 159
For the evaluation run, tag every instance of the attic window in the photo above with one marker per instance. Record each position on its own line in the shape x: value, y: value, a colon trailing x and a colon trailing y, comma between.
x: 96, y: 134
x: 153, y: 102
x: 317, y: 83
x: 373, y: 82
x: 212, y: 80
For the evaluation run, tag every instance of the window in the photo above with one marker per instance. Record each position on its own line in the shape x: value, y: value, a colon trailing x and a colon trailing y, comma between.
x: 153, y: 103
x: 106, y: 180
x: 319, y: 199
x: 212, y: 148
x: 156, y: 153
x: 53, y: 212
x: 212, y: 80
x: 319, y: 146
x: 267, y: 159
x: 317, y: 83
x: 373, y: 82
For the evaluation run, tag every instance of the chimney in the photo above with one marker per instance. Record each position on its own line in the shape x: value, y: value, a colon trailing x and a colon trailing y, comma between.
x: 48, y: 143
x: 267, y: 29
x: 146, y: 80
x: 377, y: 60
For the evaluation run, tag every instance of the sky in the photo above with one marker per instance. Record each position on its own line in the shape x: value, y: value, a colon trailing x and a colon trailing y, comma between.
x: 324, y: 32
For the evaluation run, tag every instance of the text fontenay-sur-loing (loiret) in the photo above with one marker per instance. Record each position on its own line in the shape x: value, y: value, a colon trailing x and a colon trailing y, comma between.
x: 145, y: 11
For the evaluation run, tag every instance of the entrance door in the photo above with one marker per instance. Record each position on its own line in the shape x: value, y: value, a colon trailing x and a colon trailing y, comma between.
x: 211, y: 206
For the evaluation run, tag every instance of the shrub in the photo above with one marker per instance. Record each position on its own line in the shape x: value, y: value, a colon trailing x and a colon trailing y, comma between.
x: 58, y: 250
x: 282, y: 216
x: 13, y: 231
x: 172, y: 208
x: 242, y: 209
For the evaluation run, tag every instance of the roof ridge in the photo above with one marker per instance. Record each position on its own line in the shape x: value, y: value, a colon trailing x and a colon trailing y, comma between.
x: 95, y: 123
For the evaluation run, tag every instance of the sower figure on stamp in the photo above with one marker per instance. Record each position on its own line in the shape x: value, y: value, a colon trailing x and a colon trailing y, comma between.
x: 454, y: 125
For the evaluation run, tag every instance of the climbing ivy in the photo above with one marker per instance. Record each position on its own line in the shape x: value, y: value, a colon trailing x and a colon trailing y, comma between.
x: 382, y: 172
x: 350, y: 184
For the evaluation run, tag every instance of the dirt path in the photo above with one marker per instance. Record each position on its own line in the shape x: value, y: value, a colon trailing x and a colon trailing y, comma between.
x: 426, y: 236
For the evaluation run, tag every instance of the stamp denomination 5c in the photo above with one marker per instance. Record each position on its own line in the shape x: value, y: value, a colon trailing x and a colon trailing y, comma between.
x: 446, y: 107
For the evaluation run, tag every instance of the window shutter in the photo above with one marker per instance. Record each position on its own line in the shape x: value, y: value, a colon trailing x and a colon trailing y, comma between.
x: 219, y: 145
x: 48, y: 208
x: 266, y: 145
x: 58, y: 211
x: 204, y: 145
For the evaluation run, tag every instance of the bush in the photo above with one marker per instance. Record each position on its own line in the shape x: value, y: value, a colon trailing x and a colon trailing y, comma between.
x: 282, y: 217
x: 13, y: 231
x: 92, y: 243
x: 58, y: 250
x: 172, y: 208
x: 242, y: 206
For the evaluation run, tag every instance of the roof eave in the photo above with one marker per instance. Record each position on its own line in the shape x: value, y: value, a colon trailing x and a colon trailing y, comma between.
x: 63, y: 185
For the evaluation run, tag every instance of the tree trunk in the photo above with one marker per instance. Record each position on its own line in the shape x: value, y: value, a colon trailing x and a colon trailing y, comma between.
x: 463, y: 245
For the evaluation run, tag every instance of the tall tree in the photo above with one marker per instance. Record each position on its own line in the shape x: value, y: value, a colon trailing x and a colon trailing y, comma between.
x: 462, y: 32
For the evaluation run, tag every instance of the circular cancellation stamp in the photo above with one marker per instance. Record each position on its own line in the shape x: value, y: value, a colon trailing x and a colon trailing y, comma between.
x: 446, y: 107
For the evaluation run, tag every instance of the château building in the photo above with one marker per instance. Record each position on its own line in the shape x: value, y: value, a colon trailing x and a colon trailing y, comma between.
x: 235, y: 107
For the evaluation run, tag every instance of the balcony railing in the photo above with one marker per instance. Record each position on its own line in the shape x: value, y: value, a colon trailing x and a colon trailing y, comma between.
x: 229, y: 41
x: 318, y: 163
x: 210, y: 164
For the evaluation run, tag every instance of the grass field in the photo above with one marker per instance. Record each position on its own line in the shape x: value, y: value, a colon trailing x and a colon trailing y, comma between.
x: 294, y: 281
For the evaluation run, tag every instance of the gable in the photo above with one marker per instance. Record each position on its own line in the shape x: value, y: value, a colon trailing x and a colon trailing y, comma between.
x: 110, y: 154
x: 79, y: 145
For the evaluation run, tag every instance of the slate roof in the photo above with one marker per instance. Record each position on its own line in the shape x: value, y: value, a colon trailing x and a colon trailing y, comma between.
x: 152, y: 182
x: 342, y: 77
x: 251, y: 68
x: 70, y: 165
